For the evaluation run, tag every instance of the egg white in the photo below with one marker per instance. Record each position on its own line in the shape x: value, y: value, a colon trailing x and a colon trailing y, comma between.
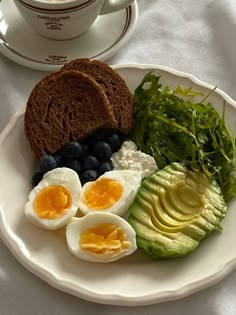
x: 130, y: 181
x: 62, y: 176
x: 78, y: 225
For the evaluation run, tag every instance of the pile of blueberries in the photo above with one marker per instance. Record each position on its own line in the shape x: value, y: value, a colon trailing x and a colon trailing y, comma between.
x: 90, y: 158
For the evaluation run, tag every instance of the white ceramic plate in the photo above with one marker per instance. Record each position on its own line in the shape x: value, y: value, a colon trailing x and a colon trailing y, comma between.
x: 35, y: 51
x: 134, y: 280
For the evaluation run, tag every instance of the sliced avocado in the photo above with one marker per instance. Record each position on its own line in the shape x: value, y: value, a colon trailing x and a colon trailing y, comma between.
x: 175, y: 209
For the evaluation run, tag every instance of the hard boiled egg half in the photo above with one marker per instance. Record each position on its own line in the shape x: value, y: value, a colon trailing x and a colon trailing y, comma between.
x: 54, y: 201
x: 100, y: 237
x: 112, y: 192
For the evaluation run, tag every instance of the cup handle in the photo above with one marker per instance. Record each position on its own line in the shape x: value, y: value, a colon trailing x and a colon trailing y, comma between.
x: 110, y: 6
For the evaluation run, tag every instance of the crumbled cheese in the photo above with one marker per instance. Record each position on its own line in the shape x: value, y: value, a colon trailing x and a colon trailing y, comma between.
x: 129, y: 157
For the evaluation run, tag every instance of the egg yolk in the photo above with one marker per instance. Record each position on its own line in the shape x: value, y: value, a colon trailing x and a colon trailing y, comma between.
x: 52, y: 202
x: 103, y: 193
x: 104, y: 239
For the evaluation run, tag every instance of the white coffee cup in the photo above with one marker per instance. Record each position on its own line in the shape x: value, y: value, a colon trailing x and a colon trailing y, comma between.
x: 65, y: 19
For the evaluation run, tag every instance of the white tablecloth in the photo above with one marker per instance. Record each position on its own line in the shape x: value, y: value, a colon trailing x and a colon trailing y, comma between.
x: 198, y: 37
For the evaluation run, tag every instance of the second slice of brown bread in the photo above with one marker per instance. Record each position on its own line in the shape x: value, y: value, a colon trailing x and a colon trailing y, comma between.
x: 114, y: 87
x: 62, y: 107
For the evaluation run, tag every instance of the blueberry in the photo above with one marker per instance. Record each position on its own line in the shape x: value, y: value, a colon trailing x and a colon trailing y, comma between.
x: 94, y: 138
x: 88, y: 176
x: 102, y: 150
x: 85, y: 150
x: 36, y: 178
x: 58, y: 158
x: 114, y: 142
x: 74, y: 165
x: 106, y: 166
x: 47, y: 163
x: 72, y: 150
x: 90, y: 163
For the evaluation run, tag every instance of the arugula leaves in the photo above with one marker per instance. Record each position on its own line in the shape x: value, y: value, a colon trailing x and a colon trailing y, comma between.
x: 171, y: 127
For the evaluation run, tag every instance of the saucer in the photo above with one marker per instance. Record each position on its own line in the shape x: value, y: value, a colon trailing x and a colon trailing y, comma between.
x: 107, y: 35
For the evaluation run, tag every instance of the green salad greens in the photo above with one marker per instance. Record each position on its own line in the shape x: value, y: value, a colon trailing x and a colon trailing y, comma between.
x: 172, y: 127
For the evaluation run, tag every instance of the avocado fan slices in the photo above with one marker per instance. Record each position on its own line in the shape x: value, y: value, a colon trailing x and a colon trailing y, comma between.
x: 174, y: 210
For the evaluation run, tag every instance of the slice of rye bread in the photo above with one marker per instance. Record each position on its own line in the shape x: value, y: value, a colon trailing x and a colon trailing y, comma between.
x: 62, y: 107
x: 114, y: 86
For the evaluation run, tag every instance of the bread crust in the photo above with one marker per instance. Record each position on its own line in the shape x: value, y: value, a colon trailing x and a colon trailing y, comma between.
x: 114, y: 87
x: 65, y: 106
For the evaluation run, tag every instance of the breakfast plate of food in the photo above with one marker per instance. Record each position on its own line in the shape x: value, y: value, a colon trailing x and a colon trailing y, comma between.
x: 37, y: 52
x: 118, y: 175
